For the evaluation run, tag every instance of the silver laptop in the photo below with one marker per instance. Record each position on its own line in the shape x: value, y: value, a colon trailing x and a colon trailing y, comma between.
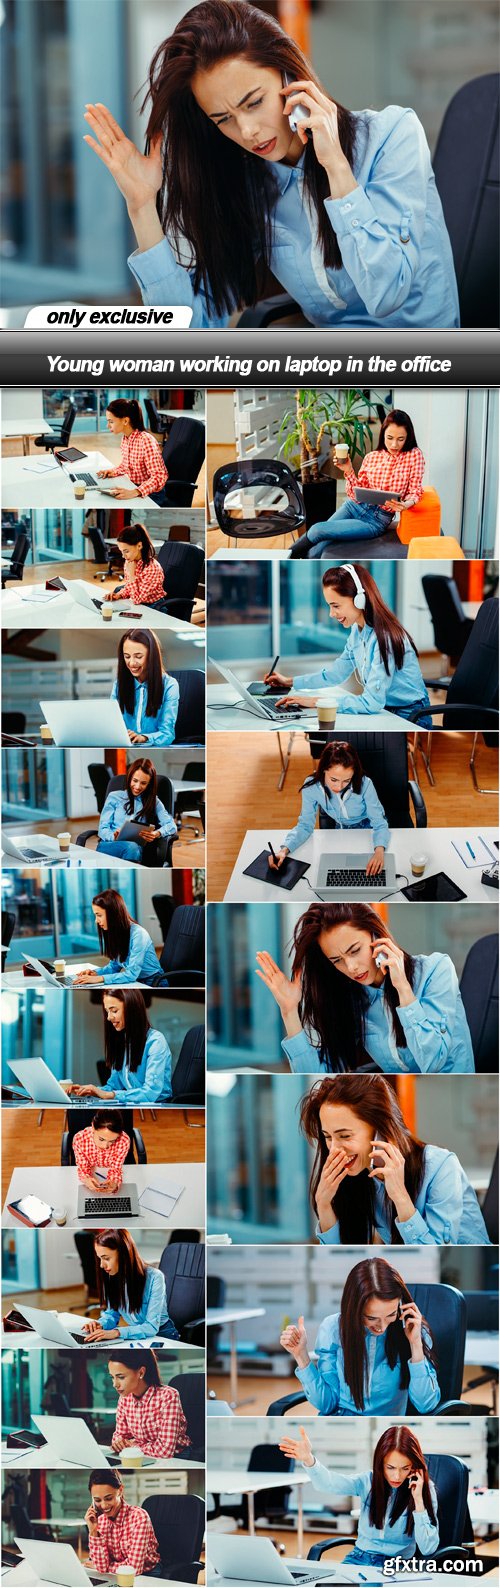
x: 48, y: 1325
x: 343, y: 876
x: 24, y: 853
x: 59, y: 1563
x: 260, y: 699
x: 93, y: 604
x: 86, y: 724
x: 255, y: 1560
x: 38, y: 1081
x: 96, y: 1204
x: 71, y: 1440
x: 89, y: 477
x: 50, y: 977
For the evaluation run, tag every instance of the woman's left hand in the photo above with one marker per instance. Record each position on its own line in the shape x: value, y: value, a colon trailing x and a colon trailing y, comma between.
x: 411, y: 1320
x: 86, y: 976
x: 99, y: 1333
x: 286, y: 702
x: 148, y: 834
x: 122, y: 493
x: 392, y: 507
x: 324, y: 125
x: 394, y: 964
x: 137, y: 738
x: 376, y: 862
x: 416, y: 1482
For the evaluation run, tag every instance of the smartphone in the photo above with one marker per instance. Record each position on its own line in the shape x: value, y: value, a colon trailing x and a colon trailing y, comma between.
x: 299, y: 116
x: 380, y: 960
x: 376, y: 1161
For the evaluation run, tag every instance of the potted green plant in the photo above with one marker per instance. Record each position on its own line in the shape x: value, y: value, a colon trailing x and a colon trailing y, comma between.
x: 341, y: 416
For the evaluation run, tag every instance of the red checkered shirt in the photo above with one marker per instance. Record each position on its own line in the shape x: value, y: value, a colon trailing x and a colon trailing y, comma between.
x: 129, y: 1537
x: 154, y: 1421
x: 89, y: 1156
x: 390, y: 471
x: 146, y: 583
x: 141, y: 459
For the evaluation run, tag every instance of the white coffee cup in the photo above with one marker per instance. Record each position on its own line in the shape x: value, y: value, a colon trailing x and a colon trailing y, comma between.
x: 341, y: 452
x: 326, y: 707
x: 59, y: 967
x: 64, y: 840
x: 107, y: 611
x: 45, y: 733
x: 79, y: 490
x: 132, y: 1457
x: 125, y: 1575
x: 59, y: 1215
x: 418, y: 863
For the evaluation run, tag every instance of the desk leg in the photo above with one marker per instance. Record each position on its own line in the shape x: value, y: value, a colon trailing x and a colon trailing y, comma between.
x: 284, y: 758
x: 300, y: 1521
x: 251, y: 1514
x: 233, y: 1365
x: 426, y: 755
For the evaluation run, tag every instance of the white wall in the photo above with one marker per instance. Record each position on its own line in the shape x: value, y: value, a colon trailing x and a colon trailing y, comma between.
x: 439, y: 419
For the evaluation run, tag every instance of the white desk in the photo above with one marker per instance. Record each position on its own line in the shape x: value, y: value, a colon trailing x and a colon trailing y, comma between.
x: 23, y: 429
x: 59, y: 1187
x: 223, y: 1480
x: 436, y: 842
x: 46, y: 1457
x: 22, y: 487
x: 78, y: 856
x: 62, y: 611
x: 18, y: 1340
x: 337, y: 1574
x: 481, y: 1349
x: 226, y: 710
x: 230, y: 1316
x: 23, y: 1576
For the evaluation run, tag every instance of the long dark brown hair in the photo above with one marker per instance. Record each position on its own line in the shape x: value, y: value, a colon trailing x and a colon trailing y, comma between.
x: 332, y: 1007
x: 214, y: 195
x: 390, y: 633
x: 127, y: 408
x: 109, y: 1119
x: 126, y: 1288
x: 403, y: 1440
x: 115, y: 940
x: 148, y: 797
x: 128, y: 1357
x: 374, y: 1277
x: 374, y: 1101
x: 154, y: 672
x: 137, y: 535
x: 127, y: 1046
x: 338, y: 754
x: 398, y: 417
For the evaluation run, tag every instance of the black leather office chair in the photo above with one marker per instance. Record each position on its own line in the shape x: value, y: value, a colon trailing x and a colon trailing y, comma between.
x: 479, y: 989
x: 472, y: 692
x: 22, y: 546
x: 8, y: 924
x: 444, y: 1309
x: 451, y: 1479
x: 191, y: 1389
x: 183, y: 566
x: 216, y: 1296
x: 272, y: 475
x: 273, y: 1504
x: 60, y: 434
x: 450, y: 625
x: 164, y: 905
x: 384, y: 758
x: 190, y: 723
x: 183, y: 456
x: 182, y: 957
x: 158, y: 423
x: 489, y: 1207
x: 468, y: 142
x: 109, y: 555
x: 188, y: 1080
x: 179, y: 1524
x: 183, y: 1269
x: 79, y: 1118
x: 100, y: 777
x: 158, y: 853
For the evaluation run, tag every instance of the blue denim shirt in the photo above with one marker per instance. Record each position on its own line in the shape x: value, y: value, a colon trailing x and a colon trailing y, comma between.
x: 151, y: 1082
x: 326, y: 1386
x: 397, y: 264
x: 152, y: 1317
x: 400, y: 688
x: 159, y: 729
x: 114, y: 815
x: 447, y: 1212
x: 387, y: 1540
x: 435, y: 1026
x: 141, y: 964
x: 350, y: 810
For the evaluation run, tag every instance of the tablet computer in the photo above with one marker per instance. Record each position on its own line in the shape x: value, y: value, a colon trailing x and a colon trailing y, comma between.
x: 376, y: 498
x: 439, y: 888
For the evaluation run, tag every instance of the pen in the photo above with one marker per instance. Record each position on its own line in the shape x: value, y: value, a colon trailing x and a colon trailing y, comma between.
x: 468, y: 846
x: 275, y: 664
x: 269, y: 845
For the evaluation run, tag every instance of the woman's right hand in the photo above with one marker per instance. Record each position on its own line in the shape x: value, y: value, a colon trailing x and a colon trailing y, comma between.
x: 287, y: 993
x: 91, y: 1183
x: 281, y: 855
x: 299, y: 1449
x: 333, y: 1172
x: 278, y: 681
x: 294, y: 1340
x: 138, y: 176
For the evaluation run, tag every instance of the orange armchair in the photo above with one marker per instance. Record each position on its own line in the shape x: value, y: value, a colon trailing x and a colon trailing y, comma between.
x: 424, y: 519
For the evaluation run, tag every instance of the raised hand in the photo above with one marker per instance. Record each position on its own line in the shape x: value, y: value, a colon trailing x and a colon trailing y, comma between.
x: 333, y: 1172
x: 286, y: 992
x: 138, y: 176
x: 294, y: 1340
x: 299, y: 1449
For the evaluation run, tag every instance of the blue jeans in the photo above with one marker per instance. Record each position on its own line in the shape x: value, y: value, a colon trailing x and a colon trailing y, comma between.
x: 352, y: 521
x: 364, y: 1557
x: 124, y: 851
x: 411, y: 713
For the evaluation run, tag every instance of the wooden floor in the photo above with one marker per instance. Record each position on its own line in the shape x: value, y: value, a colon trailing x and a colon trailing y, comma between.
x: 168, y: 1139
x: 242, y: 778
x: 98, y: 442
x: 256, y: 1394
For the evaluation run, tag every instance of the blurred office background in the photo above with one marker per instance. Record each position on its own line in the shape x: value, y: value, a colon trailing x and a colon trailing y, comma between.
x: 74, y: 1384
x: 53, y: 909
x: 70, y: 1038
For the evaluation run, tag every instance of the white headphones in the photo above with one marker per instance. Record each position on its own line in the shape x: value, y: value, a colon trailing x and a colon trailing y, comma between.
x: 360, y: 597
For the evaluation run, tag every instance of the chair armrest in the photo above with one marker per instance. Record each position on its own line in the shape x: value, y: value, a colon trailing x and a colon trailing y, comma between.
x: 418, y: 803
x: 187, y: 1100
x: 453, y: 1552
x: 267, y: 310
x: 467, y: 706
x: 194, y: 1333
x: 165, y: 846
x: 90, y: 832
x: 317, y: 1550
x: 65, y: 1153
x: 142, y: 1156
x: 437, y: 683
x: 190, y: 483
x: 285, y: 1403
x: 175, y: 976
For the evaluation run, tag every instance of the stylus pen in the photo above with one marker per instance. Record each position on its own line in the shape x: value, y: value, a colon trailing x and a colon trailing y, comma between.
x: 470, y: 849
x: 275, y: 664
x: 269, y: 845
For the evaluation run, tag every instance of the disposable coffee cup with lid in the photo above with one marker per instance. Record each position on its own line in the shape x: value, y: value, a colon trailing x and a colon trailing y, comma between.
x: 418, y: 863
x: 125, y: 1575
x: 327, y: 706
x: 59, y: 967
x: 64, y: 841
x: 59, y: 1216
x: 132, y: 1457
x: 341, y: 451
x: 45, y: 733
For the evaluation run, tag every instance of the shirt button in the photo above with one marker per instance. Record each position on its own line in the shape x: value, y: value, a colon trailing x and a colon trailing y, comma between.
x: 354, y: 223
x: 345, y: 208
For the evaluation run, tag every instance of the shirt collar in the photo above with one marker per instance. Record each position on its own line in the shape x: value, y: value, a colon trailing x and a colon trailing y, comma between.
x: 285, y: 174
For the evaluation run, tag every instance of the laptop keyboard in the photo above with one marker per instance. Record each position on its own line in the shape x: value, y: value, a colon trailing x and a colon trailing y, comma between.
x: 353, y: 878
x: 86, y: 479
x: 98, y: 1205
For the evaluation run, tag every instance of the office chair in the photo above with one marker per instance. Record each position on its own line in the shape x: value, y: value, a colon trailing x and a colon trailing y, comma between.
x: 451, y: 627
x: 183, y: 456
x: 188, y: 1080
x: 472, y: 692
x: 273, y: 1504
x: 182, y: 957
x: 489, y: 1206
x: 216, y: 1296
x: 193, y: 1236
x: 158, y: 423
x: 109, y: 555
x: 183, y: 566
x: 259, y: 525
x: 384, y: 758
x: 191, y: 1389
x: 100, y: 776
x: 183, y: 1269
x: 78, y: 1119
x: 59, y: 437
x: 451, y: 1479
x: 194, y: 772
x: 479, y: 989
x: 444, y: 1309
x: 482, y: 1318
x: 8, y: 924
x: 190, y: 723
x: 164, y: 906
x: 22, y: 546
x: 179, y: 1524
x: 468, y: 142
x: 158, y: 853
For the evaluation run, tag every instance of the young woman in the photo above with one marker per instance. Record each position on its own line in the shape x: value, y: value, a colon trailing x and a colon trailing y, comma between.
x: 341, y: 789
x: 147, y: 696
x: 372, y: 1179
x: 137, y: 802
x: 132, y: 956
x: 399, y: 1511
x: 149, y: 1414
x: 132, y: 1293
x: 379, y: 651
x: 396, y: 465
x: 119, y: 1533
x: 137, y: 1056
x: 141, y: 456
x: 374, y: 1355
x: 103, y: 1144
x: 143, y: 574
x: 346, y: 215
x: 357, y: 1000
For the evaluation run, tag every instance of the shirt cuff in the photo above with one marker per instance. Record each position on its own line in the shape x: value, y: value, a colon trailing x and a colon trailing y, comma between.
x: 414, y: 1015
x: 348, y: 214
x: 149, y: 266
x: 413, y: 1228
